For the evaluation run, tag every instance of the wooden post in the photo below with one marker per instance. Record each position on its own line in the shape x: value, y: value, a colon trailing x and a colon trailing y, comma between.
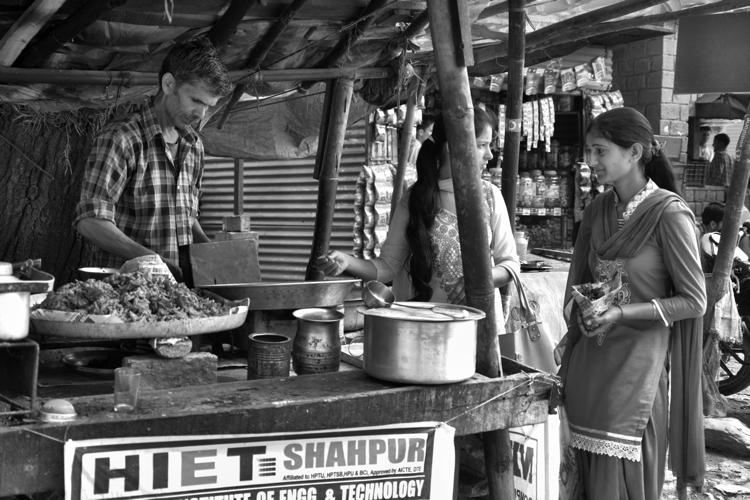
x: 513, y: 110
x: 475, y: 257
x: 329, y: 173
x: 239, y: 186
x: 407, y: 132
x: 712, y: 399
x: 325, y: 117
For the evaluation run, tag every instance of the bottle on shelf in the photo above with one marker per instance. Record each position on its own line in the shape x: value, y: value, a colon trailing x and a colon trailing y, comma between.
x: 521, y: 245
x: 537, y: 178
x: 525, y: 190
x: 552, y: 192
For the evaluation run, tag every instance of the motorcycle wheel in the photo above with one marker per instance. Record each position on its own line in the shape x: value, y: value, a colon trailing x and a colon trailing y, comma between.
x: 734, y: 376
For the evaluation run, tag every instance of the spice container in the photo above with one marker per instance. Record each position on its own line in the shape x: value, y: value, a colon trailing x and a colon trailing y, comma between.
x: 521, y: 245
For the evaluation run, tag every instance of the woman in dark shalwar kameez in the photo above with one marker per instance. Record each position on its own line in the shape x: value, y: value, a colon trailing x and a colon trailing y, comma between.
x: 616, y: 367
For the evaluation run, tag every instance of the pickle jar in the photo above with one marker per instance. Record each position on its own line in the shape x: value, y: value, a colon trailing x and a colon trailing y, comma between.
x: 552, y: 189
x: 525, y: 190
x: 539, y: 186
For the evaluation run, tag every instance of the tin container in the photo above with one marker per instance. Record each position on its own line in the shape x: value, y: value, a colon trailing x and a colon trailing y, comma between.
x: 317, y: 345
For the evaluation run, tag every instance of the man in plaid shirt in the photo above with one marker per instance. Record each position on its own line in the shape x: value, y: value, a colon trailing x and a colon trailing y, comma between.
x: 720, y: 169
x: 143, y: 175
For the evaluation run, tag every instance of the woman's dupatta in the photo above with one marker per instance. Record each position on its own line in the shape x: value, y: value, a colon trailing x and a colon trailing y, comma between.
x: 687, y: 450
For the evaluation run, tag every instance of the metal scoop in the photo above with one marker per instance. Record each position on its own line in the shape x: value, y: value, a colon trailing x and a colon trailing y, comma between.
x: 376, y: 295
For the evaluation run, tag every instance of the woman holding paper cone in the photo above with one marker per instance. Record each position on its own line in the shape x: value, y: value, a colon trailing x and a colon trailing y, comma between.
x: 421, y: 254
x: 616, y: 366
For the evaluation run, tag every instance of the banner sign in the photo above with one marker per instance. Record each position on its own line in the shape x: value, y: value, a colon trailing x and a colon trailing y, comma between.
x: 405, y: 461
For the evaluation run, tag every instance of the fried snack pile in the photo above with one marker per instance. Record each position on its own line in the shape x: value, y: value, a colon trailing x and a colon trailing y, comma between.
x: 137, y: 296
x: 592, y: 291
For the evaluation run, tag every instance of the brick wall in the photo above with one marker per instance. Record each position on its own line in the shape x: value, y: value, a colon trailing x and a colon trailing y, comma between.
x: 697, y: 197
x: 644, y: 73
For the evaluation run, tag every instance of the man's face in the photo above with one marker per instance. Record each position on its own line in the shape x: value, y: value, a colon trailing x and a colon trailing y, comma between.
x: 718, y: 146
x: 423, y: 134
x: 705, y: 134
x: 187, y: 103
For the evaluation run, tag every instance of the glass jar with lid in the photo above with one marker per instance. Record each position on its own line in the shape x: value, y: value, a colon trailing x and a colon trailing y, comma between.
x: 537, y: 179
x: 525, y: 189
x: 552, y: 190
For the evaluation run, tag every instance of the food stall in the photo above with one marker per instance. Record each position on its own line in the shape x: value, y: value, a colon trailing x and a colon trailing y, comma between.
x: 36, y: 454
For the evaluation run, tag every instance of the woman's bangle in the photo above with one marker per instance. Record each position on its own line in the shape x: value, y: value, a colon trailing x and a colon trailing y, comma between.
x: 622, y: 313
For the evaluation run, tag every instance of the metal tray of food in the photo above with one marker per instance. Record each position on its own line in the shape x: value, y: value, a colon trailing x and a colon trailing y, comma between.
x: 142, y: 329
x: 296, y: 295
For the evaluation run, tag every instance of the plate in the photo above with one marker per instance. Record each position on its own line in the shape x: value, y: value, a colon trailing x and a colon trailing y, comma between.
x: 142, y: 329
x: 294, y: 295
x: 103, y: 359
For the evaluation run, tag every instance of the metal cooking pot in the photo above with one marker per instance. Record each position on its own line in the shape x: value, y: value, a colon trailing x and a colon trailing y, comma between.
x: 15, y: 295
x: 417, y: 345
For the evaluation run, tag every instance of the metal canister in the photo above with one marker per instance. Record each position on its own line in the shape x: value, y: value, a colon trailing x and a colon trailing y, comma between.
x: 317, y: 346
x: 268, y: 355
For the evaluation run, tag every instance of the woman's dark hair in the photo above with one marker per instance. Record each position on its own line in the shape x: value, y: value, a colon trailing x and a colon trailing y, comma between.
x: 625, y: 127
x: 424, y: 203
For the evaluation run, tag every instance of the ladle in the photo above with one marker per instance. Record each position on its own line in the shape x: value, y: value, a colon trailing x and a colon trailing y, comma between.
x: 376, y: 295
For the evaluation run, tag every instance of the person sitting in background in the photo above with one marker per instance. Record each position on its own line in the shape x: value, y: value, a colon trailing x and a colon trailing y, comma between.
x: 720, y: 170
x: 705, y: 151
x: 713, y: 218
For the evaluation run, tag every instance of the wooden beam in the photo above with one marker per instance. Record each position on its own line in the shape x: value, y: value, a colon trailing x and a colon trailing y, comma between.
x: 32, y: 454
x: 221, y: 32
x: 128, y: 78
x: 260, y: 51
x: 407, y: 132
x: 329, y: 173
x: 615, y: 26
x: 607, y: 13
x: 25, y: 28
x: 325, y: 118
x: 239, y: 186
x: 82, y: 18
x: 348, y: 39
x: 458, y: 114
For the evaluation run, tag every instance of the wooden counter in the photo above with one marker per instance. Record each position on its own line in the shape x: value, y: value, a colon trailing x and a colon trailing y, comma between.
x: 32, y: 454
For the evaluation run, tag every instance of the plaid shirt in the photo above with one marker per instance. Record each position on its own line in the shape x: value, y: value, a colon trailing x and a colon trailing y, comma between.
x: 720, y: 169
x: 131, y: 180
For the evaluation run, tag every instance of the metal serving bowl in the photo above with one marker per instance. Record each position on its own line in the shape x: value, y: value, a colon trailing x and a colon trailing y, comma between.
x: 376, y: 295
x: 96, y: 273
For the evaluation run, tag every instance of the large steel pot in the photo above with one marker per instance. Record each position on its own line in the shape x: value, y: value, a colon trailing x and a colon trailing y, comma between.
x: 418, y: 345
x: 15, y: 299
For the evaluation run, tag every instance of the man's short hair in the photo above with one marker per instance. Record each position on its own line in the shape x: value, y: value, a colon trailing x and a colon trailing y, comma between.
x: 427, y: 120
x: 706, y: 128
x: 196, y: 61
x: 722, y: 139
x: 713, y: 212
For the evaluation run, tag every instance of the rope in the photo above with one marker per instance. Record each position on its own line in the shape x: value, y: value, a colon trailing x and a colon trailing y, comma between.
x: 46, y: 436
x: 528, y: 382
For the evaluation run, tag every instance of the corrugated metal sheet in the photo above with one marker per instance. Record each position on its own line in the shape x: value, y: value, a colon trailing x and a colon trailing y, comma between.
x: 281, y: 197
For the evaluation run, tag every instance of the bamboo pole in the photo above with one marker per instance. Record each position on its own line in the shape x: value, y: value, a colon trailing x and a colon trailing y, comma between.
x: 348, y: 39
x: 325, y: 116
x: 329, y: 173
x: 611, y: 27
x: 239, y: 186
x: 134, y: 79
x: 225, y: 27
x: 25, y: 29
x: 713, y: 402
x: 260, y: 52
x: 514, y: 104
x: 569, y: 25
x: 72, y: 26
x: 475, y: 257
x: 407, y: 132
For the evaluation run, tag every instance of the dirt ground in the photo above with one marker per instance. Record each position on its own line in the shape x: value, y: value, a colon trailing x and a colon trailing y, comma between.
x: 727, y: 476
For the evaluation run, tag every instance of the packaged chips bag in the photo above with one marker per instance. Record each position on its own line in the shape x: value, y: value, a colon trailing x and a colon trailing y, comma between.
x: 595, y: 298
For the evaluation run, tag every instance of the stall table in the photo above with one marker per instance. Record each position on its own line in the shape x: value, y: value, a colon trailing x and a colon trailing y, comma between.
x: 32, y: 453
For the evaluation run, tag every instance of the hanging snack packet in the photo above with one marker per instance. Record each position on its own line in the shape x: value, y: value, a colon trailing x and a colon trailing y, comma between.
x: 479, y: 82
x: 583, y: 74
x: 551, y: 74
x: 568, y: 78
x: 501, y: 122
x: 599, y: 68
x: 496, y: 82
x: 532, y: 82
x: 617, y: 100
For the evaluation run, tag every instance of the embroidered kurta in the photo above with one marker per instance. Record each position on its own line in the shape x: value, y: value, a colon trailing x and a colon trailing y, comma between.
x: 612, y: 381
x: 392, y: 263
x: 616, y: 387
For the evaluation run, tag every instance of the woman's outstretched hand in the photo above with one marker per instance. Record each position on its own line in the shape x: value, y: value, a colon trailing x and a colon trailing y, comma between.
x: 332, y: 264
x: 600, y: 324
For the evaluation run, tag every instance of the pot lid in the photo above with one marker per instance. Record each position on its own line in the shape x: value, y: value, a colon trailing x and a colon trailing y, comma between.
x: 427, y: 311
x: 6, y: 269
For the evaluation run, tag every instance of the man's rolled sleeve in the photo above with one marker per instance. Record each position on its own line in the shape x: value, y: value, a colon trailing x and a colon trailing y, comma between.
x: 105, y: 177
